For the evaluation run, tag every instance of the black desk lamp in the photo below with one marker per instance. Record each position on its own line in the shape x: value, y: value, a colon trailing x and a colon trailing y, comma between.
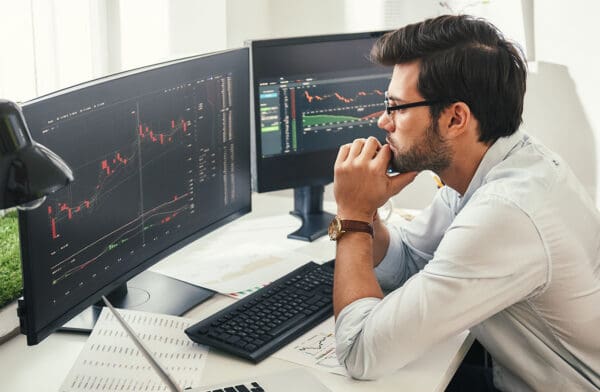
x: 28, y: 170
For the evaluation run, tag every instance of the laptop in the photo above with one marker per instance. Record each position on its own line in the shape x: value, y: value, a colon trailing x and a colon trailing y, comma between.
x: 294, y: 380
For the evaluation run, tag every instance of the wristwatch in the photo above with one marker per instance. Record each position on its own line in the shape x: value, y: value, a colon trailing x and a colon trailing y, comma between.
x: 338, y: 227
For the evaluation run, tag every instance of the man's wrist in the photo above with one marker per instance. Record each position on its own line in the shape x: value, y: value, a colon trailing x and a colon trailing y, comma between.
x: 355, y: 234
x: 355, y: 216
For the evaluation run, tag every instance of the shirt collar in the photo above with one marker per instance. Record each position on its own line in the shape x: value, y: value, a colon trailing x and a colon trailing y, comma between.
x: 493, y: 156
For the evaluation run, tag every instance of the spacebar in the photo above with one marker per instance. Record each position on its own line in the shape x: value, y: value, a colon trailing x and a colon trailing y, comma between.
x: 280, y: 328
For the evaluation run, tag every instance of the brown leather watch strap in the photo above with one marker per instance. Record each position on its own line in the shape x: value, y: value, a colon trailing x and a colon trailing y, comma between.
x: 354, y: 225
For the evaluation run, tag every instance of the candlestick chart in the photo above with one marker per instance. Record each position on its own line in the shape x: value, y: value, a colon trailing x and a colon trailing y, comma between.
x: 313, y: 114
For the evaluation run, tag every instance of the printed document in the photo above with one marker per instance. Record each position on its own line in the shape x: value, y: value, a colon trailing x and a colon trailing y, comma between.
x: 111, y: 361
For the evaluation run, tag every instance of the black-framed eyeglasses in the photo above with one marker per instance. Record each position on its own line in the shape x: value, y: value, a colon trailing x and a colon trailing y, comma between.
x: 389, y: 109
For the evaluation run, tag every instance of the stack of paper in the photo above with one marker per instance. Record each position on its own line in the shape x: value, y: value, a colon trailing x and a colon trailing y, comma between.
x: 110, y: 360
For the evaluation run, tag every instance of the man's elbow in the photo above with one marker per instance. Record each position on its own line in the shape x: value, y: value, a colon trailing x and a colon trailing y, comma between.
x: 361, y: 363
x: 360, y: 372
x: 368, y: 359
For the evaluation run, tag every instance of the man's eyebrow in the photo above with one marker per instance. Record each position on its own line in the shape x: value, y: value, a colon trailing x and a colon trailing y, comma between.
x: 394, y: 98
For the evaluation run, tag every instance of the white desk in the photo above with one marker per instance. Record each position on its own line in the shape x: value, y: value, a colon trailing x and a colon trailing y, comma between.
x: 43, y: 367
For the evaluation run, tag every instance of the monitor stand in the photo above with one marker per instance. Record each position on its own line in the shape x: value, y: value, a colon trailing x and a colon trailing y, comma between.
x: 308, y: 206
x: 148, y: 291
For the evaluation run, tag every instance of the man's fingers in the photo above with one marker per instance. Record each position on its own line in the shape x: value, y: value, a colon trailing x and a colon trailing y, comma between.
x: 370, y: 148
x: 382, y: 160
x: 342, y: 154
x: 356, y: 148
x: 363, y: 148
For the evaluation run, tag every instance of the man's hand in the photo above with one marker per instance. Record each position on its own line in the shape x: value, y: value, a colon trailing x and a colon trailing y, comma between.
x: 361, y: 183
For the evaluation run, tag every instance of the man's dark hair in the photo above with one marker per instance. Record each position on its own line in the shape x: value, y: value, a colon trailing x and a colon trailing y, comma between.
x: 465, y: 59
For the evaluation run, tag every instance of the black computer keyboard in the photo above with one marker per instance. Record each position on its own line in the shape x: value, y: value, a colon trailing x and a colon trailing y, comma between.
x: 260, y: 324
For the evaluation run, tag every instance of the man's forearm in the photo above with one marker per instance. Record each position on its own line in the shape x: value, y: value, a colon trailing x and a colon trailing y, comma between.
x: 354, y: 277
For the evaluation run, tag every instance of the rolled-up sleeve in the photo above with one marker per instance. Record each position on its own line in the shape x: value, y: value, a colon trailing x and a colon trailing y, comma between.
x: 348, y: 327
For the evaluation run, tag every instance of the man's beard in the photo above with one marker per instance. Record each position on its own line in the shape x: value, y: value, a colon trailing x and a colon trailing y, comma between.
x: 431, y: 152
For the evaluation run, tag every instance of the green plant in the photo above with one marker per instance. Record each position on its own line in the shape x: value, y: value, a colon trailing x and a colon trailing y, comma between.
x: 11, y: 281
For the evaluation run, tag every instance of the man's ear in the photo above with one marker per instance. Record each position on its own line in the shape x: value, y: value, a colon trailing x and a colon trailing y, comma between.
x: 456, y: 119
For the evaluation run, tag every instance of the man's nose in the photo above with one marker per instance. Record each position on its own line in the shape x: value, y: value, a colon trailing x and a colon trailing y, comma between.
x: 385, y: 122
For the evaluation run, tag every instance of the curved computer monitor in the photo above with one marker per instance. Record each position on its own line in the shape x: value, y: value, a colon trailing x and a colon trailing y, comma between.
x: 310, y: 96
x: 161, y: 156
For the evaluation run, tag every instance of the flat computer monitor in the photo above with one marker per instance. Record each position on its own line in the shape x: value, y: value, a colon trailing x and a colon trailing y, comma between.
x: 310, y: 96
x: 161, y: 156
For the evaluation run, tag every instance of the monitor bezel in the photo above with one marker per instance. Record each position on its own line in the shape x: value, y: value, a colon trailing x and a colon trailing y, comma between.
x: 28, y: 321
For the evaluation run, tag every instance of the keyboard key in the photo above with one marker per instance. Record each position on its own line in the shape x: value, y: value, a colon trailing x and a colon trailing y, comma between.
x: 233, y: 339
x: 257, y: 387
x: 291, y: 322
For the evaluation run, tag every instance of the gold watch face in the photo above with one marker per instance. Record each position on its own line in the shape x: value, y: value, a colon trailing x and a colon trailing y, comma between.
x: 335, y: 229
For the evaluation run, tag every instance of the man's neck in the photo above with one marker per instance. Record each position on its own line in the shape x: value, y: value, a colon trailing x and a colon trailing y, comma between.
x: 465, y: 162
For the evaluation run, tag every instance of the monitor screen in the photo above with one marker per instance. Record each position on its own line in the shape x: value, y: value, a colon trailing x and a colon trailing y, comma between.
x: 160, y: 156
x: 311, y: 95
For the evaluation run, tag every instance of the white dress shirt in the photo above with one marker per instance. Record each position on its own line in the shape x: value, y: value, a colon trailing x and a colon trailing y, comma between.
x: 516, y: 260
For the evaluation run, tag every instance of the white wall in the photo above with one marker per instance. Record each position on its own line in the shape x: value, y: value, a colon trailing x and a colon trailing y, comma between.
x: 564, y: 92
x: 247, y: 20
x: 197, y: 27
x: 306, y: 17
